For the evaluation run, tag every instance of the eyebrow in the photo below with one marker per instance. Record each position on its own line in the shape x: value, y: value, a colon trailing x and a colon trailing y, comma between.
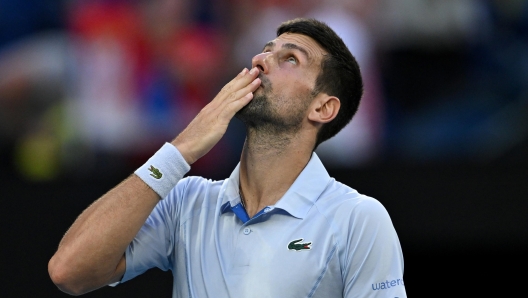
x: 291, y: 46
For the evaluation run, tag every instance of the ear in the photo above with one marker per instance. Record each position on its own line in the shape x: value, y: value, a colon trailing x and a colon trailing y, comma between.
x: 324, y: 108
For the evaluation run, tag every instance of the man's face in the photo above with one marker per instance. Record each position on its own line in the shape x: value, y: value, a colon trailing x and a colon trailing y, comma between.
x: 288, y: 67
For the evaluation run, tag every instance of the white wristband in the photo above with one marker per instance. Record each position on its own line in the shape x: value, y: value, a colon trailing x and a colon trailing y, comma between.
x: 163, y: 170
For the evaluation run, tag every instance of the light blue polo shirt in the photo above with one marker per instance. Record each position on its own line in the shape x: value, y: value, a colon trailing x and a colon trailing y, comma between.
x: 321, y: 239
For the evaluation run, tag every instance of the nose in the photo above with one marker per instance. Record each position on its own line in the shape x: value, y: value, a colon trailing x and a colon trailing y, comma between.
x: 262, y: 61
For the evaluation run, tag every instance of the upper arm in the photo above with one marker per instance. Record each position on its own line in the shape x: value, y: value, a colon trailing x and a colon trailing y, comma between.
x: 374, y: 257
x: 155, y: 241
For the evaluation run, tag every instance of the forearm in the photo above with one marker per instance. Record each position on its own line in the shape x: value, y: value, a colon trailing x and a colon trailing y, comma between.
x: 91, y: 249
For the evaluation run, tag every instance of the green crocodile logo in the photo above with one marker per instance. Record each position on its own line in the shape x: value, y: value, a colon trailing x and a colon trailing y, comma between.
x: 298, y: 246
x: 155, y: 172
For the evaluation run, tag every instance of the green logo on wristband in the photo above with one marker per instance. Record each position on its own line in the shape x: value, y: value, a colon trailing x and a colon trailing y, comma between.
x: 155, y: 172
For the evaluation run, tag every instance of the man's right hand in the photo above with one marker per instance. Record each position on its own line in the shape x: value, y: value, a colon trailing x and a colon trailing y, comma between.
x: 208, y: 127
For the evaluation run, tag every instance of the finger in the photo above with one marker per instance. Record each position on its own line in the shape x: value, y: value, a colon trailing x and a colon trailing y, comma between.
x: 241, y: 80
x: 245, y: 96
x: 238, y: 87
x: 232, y: 90
x: 251, y: 87
x: 236, y: 96
x: 245, y: 77
x: 236, y: 106
x: 230, y: 109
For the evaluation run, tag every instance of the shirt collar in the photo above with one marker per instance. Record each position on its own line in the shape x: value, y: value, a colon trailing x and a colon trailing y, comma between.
x: 297, y: 200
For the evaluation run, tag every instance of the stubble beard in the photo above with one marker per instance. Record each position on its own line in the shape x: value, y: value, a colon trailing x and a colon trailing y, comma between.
x: 261, y: 117
x: 269, y: 129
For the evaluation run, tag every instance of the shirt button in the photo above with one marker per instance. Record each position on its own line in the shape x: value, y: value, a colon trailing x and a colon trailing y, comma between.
x: 267, y: 209
x: 247, y: 231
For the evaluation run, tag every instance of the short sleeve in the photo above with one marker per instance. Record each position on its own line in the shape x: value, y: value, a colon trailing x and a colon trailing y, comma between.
x: 374, y: 259
x: 155, y: 242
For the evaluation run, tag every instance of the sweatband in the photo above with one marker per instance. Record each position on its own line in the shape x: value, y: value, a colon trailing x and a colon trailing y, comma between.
x: 163, y: 170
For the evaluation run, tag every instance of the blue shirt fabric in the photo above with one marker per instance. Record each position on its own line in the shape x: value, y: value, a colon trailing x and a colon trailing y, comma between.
x: 321, y: 239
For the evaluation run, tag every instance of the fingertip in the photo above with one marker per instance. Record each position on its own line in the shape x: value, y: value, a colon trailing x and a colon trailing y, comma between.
x: 244, y: 71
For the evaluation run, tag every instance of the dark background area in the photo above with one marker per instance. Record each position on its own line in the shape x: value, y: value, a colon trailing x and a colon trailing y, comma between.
x: 446, y: 129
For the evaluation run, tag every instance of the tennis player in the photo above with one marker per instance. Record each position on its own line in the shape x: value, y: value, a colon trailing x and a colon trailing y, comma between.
x: 279, y: 226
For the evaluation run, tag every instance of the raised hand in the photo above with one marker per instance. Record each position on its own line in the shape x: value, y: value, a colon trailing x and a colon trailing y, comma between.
x: 208, y: 127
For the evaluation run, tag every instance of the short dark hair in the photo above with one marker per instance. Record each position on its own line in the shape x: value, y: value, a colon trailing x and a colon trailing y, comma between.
x: 339, y: 76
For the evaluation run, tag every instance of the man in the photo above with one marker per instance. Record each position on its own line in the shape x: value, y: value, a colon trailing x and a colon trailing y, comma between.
x: 279, y: 226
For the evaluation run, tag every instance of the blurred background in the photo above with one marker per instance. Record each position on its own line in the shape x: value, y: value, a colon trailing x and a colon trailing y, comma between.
x: 90, y: 89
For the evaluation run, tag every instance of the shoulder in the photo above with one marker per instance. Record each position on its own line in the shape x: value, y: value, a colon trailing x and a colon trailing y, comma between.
x: 359, y: 222
x: 196, y: 183
x: 339, y: 198
x: 191, y: 193
x: 349, y: 212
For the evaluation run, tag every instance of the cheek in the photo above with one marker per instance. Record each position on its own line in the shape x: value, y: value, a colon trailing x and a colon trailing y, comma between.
x: 291, y: 86
x: 299, y: 89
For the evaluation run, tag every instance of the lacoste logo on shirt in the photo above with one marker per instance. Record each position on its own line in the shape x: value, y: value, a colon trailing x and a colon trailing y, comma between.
x: 155, y: 172
x: 299, y: 246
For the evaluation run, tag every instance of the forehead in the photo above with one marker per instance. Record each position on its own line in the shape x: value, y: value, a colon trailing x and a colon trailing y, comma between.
x: 313, y: 50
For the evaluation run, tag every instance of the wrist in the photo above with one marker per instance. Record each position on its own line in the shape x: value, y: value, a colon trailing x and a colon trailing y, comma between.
x: 184, y: 151
x: 163, y: 170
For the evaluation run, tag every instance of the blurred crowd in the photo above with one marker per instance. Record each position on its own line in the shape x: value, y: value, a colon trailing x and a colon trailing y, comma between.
x: 91, y: 87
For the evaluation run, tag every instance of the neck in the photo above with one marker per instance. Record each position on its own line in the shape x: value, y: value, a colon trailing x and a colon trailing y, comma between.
x: 269, y: 165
